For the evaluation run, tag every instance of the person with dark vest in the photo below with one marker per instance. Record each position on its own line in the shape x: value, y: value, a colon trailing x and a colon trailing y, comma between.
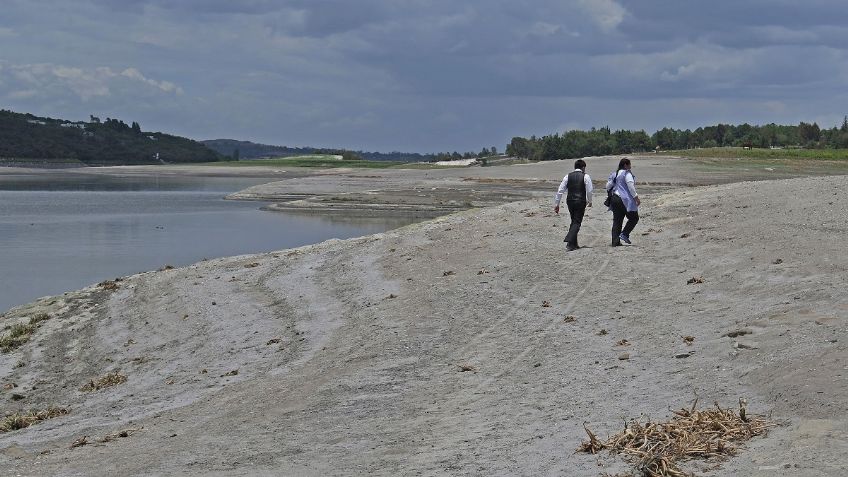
x: 577, y: 187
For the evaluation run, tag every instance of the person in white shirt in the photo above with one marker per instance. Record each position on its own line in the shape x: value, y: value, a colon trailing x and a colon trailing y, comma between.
x: 625, y: 202
x: 578, y: 189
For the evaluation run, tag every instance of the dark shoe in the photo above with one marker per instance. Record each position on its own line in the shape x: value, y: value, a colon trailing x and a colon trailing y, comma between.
x: 569, y: 248
x: 625, y: 239
x: 616, y: 244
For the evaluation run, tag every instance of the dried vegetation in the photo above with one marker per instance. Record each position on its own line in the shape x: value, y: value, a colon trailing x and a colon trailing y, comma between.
x: 656, y: 448
x: 20, y: 333
x: 108, y: 380
x: 83, y: 441
x: 21, y: 420
x: 109, y: 285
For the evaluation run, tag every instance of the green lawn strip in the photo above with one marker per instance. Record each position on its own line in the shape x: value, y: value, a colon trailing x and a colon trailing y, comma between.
x: 424, y: 165
x: 760, y: 153
x: 326, y: 162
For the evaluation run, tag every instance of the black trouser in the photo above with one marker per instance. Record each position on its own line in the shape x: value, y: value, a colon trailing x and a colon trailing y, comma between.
x: 576, y: 210
x: 619, y: 211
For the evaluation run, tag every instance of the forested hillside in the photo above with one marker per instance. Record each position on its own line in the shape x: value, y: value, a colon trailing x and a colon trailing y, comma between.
x: 24, y: 137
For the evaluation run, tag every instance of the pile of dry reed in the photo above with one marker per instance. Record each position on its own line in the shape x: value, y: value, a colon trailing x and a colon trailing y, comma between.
x: 657, y: 447
x: 21, y: 420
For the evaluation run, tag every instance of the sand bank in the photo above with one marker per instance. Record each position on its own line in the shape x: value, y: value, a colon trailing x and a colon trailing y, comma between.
x: 347, y: 357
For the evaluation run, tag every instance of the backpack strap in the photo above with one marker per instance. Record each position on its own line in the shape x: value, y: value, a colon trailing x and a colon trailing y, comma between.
x: 614, y: 180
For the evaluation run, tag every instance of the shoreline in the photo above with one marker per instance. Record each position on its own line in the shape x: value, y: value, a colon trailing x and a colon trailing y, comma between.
x: 63, y: 235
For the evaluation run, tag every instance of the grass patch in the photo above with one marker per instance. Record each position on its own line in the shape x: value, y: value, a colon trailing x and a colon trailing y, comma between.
x: 765, y: 163
x: 105, y: 381
x: 758, y: 153
x: 20, y: 333
x: 15, y: 421
x: 325, y: 162
x: 424, y: 165
x: 317, y: 161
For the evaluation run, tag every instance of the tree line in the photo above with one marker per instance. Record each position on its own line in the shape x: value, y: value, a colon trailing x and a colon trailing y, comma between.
x: 96, y: 142
x: 456, y: 156
x: 603, y: 141
x: 575, y: 143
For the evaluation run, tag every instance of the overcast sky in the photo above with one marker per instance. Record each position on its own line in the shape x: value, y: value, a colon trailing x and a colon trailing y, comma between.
x: 423, y: 75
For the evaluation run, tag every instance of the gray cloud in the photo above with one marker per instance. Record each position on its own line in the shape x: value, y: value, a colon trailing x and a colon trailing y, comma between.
x: 422, y: 75
x: 47, y: 81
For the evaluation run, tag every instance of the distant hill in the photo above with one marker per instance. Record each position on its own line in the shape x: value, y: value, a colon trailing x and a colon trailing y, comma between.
x: 252, y: 150
x: 25, y: 138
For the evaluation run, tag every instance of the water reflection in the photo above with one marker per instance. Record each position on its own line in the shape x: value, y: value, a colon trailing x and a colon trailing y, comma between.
x: 64, y: 234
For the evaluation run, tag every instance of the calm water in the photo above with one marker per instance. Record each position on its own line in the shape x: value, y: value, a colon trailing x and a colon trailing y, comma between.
x: 61, y: 233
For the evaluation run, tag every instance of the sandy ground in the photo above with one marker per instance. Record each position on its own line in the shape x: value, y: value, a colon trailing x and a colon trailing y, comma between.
x: 432, y: 192
x: 343, y: 358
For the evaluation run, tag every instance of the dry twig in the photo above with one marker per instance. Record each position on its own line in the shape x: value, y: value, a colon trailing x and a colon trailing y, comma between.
x: 119, y: 434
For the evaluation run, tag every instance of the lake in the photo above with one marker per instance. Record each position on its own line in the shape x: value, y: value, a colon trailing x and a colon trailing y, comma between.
x: 61, y: 232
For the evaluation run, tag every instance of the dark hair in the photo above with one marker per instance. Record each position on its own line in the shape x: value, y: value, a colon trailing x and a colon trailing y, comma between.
x: 579, y: 164
x: 623, y: 162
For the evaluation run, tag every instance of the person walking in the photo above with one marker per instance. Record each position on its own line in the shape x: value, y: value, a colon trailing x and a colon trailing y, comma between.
x: 577, y: 187
x: 624, y: 202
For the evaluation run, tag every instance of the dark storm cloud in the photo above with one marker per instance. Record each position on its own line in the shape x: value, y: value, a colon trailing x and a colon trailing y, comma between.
x: 423, y: 74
